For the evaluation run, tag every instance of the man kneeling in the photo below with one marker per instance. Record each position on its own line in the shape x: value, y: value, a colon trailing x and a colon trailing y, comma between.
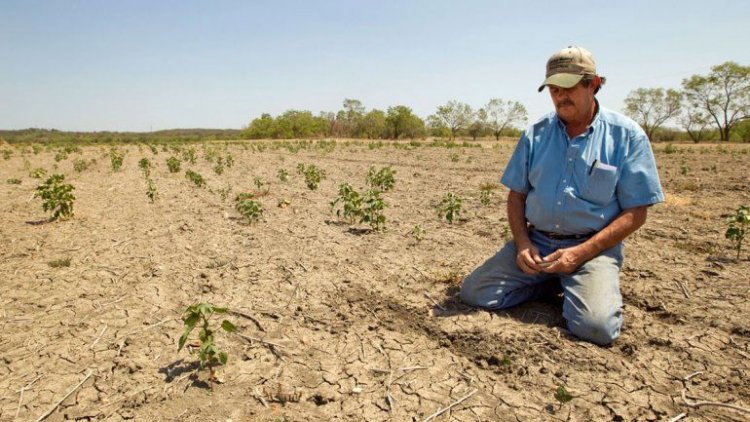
x: 581, y: 180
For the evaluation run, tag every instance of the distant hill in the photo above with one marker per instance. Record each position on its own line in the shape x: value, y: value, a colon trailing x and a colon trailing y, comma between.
x: 169, y: 135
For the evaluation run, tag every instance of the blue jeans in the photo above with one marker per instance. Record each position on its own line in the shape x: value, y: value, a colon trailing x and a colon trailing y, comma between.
x: 592, y: 304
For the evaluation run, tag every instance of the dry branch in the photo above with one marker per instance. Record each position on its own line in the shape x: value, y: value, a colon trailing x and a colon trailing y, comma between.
x: 248, y: 316
x: 712, y: 403
x: 53, y: 408
x: 449, y: 407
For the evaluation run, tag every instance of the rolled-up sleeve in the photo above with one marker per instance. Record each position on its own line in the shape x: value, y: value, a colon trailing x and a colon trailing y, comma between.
x: 639, y: 179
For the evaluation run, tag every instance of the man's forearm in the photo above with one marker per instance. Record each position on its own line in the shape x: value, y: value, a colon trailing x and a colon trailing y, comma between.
x: 621, y: 227
x: 517, y: 218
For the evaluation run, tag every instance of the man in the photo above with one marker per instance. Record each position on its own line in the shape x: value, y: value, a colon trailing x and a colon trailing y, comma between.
x: 581, y: 181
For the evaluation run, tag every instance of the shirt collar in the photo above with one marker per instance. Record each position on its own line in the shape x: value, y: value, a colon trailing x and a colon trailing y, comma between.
x: 590, y: 128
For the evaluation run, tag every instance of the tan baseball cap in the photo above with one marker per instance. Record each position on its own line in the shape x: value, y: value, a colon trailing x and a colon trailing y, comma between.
x: 568, y: 66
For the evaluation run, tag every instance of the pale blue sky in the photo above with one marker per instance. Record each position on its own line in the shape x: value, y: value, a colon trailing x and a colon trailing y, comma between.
x: 141, y: 65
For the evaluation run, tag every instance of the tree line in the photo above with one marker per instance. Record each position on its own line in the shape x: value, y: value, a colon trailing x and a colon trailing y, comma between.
x: 497, y: 118
x: 715, y: 106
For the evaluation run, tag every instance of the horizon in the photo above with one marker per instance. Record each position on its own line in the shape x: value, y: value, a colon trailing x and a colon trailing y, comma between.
x: 146, y: 67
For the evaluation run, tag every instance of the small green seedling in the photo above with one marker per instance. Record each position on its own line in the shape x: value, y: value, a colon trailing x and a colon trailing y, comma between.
x: 248, y: 207
x: 60, y: 156
x: 562, y: 395
x: 189, y: 155
x: 219, y: 166
x: 14, y: 181
x: 56, y: 196
x: 313, y: 176
x: 372, y: 211
x: 145, y: 167
x: 154, y: 150
x: 449, y: 207
x: 485, y: 196
x: 382, y: 179
x: 739, y: 224
x: 351, y: 203
x: 80, y: 165
x: 208, y: 354
x: 283, y: 175
x: 195, y: 178
x: 418, y: 233
x: 38, y: 173
x: 173, y: 164
x: 300, y: 168
x: 229, y: 160
x: 454, y: 157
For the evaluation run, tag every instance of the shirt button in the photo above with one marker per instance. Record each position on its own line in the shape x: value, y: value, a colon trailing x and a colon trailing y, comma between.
x: 559, y: 203
x: 570, y: 159
x: 565, y: 180
x: 557, y: 226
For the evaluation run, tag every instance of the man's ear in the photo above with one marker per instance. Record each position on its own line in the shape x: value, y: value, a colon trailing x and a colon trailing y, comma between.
x: 597, y: 82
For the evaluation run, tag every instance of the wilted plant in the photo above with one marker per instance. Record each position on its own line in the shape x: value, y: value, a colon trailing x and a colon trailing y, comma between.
x: 195, y: 178
x: 351, y: 203
x: 313, y: 176
x: 219, y: 166
x: 208, y: 354
x: 38, y: 173
x: 418, y: 233
x: 80, y: 165
x: 739, y: 223
x: 56, y: 196
x: 116, y: 157
x: 248, y: 207
x: 189, y: 155
x: 449, y: 207
x: 145, y: 167
x: 173, y: 164
x: 150, y: 190
x: 283, y: 175
x: 382, y: 179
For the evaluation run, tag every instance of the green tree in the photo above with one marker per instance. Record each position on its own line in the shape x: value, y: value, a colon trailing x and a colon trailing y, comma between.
x: 478, y: 127
x: 374, y: 124
x: 695, y: 122
x: 724, y: 94
x: 454, y: 115
x: 260, y: 128
x: 402, y: 121
x: 502, y: 115
x: 652, y: 107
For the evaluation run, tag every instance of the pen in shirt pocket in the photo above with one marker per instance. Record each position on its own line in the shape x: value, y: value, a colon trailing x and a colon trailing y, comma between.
x: 592, y: 166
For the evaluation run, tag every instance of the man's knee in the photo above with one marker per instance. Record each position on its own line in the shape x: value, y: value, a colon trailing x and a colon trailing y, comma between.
x: 470, y: 291
x: 597, y: 328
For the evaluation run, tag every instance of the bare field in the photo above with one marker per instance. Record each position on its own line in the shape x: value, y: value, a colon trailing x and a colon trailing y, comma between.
x: 344, y: 324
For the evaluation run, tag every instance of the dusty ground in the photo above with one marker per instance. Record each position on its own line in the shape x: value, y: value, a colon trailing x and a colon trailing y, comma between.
x: 350, y: 325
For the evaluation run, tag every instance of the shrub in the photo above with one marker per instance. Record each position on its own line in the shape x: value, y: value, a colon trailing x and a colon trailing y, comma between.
x: 449, y: 207
x: 189, y: 155
x: 80, y: 165
x: 208, y: 355
x: 56, y: 196
x: 382, y: 179
x: 195, y: 178
x: 60, y: 156
x: 173, y: 164
x: 7, y: 154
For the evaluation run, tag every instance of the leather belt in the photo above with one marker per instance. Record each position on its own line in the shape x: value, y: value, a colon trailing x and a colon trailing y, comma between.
x: 558, y: 236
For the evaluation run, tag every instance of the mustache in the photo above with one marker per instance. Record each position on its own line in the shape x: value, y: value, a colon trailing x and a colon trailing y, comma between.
x: 565, y: 102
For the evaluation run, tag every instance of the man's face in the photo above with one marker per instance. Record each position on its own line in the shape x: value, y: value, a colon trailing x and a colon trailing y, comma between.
x: 573, y: 105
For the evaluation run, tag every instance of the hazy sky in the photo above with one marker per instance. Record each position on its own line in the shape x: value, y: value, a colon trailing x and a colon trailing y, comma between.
x: 142, y: 65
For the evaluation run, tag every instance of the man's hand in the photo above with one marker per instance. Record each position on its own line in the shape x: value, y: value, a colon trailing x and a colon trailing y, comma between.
x: 528, y: 258
x: 564, y: 261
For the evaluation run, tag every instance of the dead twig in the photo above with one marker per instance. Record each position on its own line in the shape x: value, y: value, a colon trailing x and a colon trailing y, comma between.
x: 53, y: 408
x: 260, y: 398
x: 684, y: 289
x: 678, y: 417
x: 268, y: 343
x: 20, y: 398
x: 98, y: 337
x: 712, y: 403
x: 248, y: 316
x: 450, y: 406
x: 694, y: 374
x: 434, y: 302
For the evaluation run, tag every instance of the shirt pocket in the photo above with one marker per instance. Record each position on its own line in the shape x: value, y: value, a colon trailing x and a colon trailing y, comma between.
x: 600, y: 185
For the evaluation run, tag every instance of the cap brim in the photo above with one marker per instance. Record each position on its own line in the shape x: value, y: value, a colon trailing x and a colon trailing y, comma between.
x: 563, y: 80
